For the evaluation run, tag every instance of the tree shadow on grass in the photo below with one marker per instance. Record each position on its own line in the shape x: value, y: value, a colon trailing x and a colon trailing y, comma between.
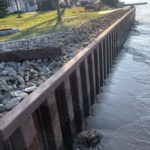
x: 28, y: 19
x: 36, y: 30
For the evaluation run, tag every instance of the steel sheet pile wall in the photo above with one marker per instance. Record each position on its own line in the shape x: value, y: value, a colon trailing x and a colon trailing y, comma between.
x: 51, y: 116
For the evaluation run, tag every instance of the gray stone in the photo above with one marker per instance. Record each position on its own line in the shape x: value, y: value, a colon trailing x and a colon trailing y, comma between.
x: 3, y: 81
x: 4, y: 86
x: 46, y: 71
x: 20, y: 80
x: 89, y: 139
x: 34, y: 65
x: 2, y: 64
x: 5, y: 101
x: 22, y: 86
x: 6, y: 95
x: 5, y: 72
x: 19, y: 94
x: 26, y: 63
x: 17, y: 99
x: 29, y: 84
x: 30, y: 89
x: 34, y: 76
x: 23, y: 95
x: 33, y: 71
x: 18, y: 64
x: 27, y: 78
x: 21, y: 73
x: 43, y: 79
x: 2, y: 108
x: 12, y: 103
x: 9, y: 71
x: 39, y: 60
x: 1, y: 97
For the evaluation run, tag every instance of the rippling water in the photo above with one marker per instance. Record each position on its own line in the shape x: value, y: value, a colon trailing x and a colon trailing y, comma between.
x: 138, y: 44
x: 122, y: 113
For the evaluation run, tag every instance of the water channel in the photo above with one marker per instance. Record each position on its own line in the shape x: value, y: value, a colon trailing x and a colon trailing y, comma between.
x: 122, y: 111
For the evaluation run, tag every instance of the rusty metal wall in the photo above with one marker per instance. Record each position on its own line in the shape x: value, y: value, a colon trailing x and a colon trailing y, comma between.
x: 52, y: 115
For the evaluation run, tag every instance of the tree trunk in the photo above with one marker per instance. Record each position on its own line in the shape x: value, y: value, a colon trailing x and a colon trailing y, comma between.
x: 26, y: 5
x: 58, y: 11
x: 18, y: 11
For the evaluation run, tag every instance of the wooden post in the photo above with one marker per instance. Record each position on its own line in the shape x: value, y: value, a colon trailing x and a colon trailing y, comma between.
x: 108, y: 54
x: 25, y: 137
x: 97, y: 69
x: 85, y: 87
x: 46, y: 120
x: 101, y: 63
x: 105, y: 57
x: 110, y: 39
x: 69, y: 106
x: 91, y: 77
x: 80, y: 96
x: 88, y: 83
x: 1, y: 146
x: 77, y: 100
x: 66, y: 114
x: 93, y: 71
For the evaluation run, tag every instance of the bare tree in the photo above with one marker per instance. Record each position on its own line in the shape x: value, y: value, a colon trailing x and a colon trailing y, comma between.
x: 58, y: 11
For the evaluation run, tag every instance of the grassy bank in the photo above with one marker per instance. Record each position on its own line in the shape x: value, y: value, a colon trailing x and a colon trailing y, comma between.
x: 38, y: 23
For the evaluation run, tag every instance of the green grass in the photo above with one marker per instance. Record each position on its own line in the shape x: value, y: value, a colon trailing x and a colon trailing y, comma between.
x: 38, y: 23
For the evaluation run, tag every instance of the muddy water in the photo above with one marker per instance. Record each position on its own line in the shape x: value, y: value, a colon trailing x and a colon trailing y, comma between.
x: 122, y: 111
